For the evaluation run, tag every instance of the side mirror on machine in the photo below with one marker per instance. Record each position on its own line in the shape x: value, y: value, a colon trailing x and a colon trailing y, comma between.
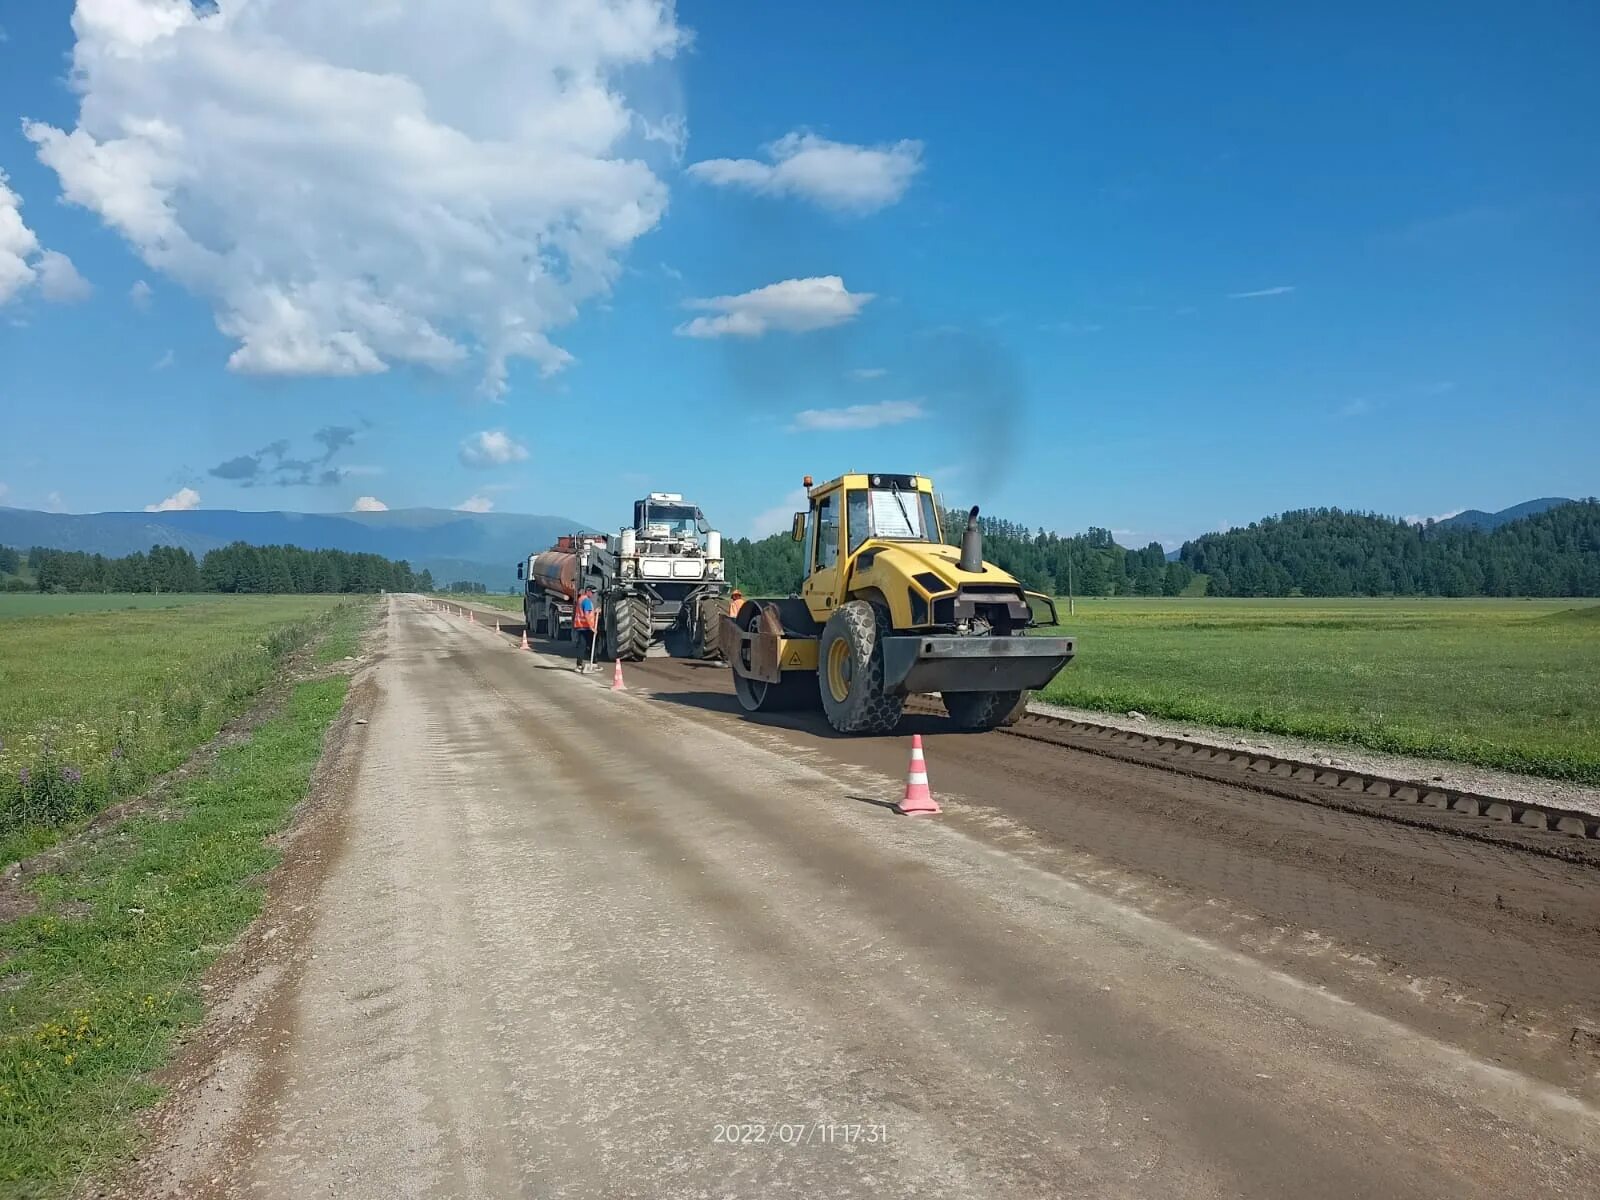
x: 521, y: 569
x: 799, y: 530
x: 1042, y: 609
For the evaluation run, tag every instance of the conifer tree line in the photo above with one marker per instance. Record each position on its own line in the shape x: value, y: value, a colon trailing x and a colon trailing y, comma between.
x: 1310, y: 552
x: 239, y: 567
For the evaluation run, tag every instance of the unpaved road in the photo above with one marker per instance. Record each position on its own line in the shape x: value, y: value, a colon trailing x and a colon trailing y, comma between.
x: 550, y: 940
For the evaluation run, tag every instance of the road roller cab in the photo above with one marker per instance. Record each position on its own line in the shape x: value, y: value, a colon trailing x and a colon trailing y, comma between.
x: 887, y: 610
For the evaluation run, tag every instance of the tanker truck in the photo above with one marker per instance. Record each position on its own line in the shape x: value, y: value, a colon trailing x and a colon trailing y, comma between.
x: 660, y: 582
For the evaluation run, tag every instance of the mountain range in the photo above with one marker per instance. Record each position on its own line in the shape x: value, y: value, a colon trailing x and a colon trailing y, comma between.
x: 482, y: 547
x: 1476, y: 518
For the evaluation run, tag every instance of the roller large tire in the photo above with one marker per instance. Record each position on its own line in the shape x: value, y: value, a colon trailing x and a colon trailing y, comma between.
x: 983, y: 710
x: 627, y: 629
x: 708, y: 643
x: 850, y: 671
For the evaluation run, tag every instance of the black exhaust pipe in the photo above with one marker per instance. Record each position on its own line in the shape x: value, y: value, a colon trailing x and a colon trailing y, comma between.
x: 972, y: 545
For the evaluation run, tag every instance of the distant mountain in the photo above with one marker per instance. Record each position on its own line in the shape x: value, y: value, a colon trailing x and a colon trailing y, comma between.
x: 483, y: 547
x: 1476, y: 518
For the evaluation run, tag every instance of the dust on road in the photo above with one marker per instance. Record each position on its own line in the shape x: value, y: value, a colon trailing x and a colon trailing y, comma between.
x: 567, y: 942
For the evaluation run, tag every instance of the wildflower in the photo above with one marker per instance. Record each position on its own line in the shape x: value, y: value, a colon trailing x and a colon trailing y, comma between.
x: 116, y: 752
x: 22, y: 776
x: 72, y: 774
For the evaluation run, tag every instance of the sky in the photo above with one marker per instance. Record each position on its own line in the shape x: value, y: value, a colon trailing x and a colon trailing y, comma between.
x: 1162, y: 268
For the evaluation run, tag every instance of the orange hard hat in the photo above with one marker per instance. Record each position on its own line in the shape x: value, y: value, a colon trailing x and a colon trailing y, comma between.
x: 737, y: 592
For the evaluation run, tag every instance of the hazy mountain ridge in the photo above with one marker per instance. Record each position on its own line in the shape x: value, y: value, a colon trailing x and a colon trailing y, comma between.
x: 483, y: 547
x: 1476, y: 518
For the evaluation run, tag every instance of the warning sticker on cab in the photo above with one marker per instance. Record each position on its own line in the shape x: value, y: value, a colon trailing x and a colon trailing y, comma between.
x: 793, y: 660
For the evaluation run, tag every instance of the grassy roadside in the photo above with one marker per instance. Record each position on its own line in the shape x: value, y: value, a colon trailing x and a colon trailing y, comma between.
x: 1496, y: 683
x: 97, y: 983
x: 93, y: 705
x: 497, y: 600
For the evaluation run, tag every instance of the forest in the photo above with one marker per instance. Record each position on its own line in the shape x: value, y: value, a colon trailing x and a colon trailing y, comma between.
x: 239, y: 567
x: 1309, y: 552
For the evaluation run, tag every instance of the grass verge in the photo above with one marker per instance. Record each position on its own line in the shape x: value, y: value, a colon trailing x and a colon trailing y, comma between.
x: 1496, y: 683
x: 97, y: 983
x: 94, y: 706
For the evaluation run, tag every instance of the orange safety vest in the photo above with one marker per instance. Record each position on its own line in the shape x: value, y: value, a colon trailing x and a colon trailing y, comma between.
x: 585, y: 618
x: 734, y: 604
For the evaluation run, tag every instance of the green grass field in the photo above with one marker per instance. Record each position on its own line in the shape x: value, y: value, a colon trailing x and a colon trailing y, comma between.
x: 101, y: 978
x: 94, y: 704
x: 32, y: 604
x: 1503, y: 683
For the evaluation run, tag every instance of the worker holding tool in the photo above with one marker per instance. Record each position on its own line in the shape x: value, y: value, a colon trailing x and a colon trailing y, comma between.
x: 585, y: 624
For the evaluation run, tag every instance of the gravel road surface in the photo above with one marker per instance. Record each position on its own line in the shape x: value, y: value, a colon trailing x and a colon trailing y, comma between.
x: 548, y: 940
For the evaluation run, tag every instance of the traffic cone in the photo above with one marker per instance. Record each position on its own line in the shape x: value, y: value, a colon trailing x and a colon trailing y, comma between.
x: 497, y: 624
x: 472, y: 616
x: 616, y: 677
x: 525, y: 645
x: 919, y: 801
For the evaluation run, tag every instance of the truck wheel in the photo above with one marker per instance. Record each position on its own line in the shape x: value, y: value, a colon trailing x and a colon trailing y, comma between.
x: 712, y: 610
x: 627, y: 628
x: 850, y: 670
x: 796, y: 690
x: 983, y: 710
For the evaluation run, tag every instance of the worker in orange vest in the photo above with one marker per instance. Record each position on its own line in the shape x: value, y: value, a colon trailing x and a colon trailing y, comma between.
x: 585, y: 624
x: 735, y: 602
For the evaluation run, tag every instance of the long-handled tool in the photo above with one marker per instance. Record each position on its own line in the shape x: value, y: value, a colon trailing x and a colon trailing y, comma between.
x: 594, y: 632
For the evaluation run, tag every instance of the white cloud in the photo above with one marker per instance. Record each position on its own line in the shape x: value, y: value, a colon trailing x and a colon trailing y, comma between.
x: 836, y: 175
x: 59, y: 281
x: 369, y: 504
x: 165, y: 361
x: 24, y: 263
x: 794, y: 306
x: 180, y: 501
x: 5, y: 490
x: 1413, y: 519
x: 1359, y: 407
x: 778, y: 518
x: 54, y: 503
x: 354, y: 186
x: 859, y: 416
x: 476, y: 504
x: 139, y: 295
x: 492, y: 448
x: 1282, y: 290
x: 865, y: 373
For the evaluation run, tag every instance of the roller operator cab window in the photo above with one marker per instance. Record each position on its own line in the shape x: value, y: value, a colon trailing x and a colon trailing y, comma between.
x: 827, y: 531
x: 891, y: 513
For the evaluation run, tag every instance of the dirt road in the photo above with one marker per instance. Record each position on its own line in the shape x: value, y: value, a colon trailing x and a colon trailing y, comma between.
x: 549, y: 940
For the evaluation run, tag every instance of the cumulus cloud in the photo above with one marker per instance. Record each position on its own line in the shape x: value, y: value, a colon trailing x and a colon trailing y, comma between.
x: 859, y: 416
x: 25, y: 263
x: 836, y: 175
x: 369, y: 504
x: 180, y: 501
x: 139, y: 295
x: 491, y: 448
x: 54, y: 503
x: 59, y: 281
x: 355, y: 186
x: 1413, y: 519
x: 861, y: 374
x: 476, y: 504
x: 1281, y: 290
x: 794, y: 306
x: 777, y: 519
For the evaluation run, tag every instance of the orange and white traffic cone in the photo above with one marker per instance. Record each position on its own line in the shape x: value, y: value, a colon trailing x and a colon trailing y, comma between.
x: 472, y: 616
x: 616, y: 677
x: 919, y: 801
x: 525, y: 645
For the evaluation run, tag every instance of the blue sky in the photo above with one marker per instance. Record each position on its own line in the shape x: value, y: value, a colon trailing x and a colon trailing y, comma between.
x: 1157, y: 267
